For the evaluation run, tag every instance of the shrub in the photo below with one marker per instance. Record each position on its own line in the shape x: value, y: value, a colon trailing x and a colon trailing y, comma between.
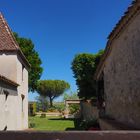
x: 32, y: 108
x: 43, y: 115
x: 74, y: 108
x: 31, y: 125
x: 52, y: 109
x: 60, y: 107
x: 85, y: 125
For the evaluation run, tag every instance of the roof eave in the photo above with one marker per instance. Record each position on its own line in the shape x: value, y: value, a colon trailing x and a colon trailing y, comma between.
x: 129, y: 14
x: 4, y: 79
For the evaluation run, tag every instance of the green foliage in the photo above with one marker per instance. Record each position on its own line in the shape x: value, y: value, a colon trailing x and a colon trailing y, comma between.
x: 57, y: 107
x: 51, y: 123
x: 83, y: 67
x: 32, y: 56
x: 52, y: 109
x: 86, y: 124
x: 52, y: 88
x: 74, y: 108
x: 60, y: 107
x: 31, y: 125
x: 34, y: 107
x: 43, y: 115
x: 71, y: 96
x: 42, y: 103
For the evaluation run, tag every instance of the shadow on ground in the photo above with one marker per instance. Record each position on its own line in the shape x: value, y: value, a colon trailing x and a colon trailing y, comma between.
x: 61, y: 119
x: 70, y: 129
x: 76, y: 126
x: 76, y: 123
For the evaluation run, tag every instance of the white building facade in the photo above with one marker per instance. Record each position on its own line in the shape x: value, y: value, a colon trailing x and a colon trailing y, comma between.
x: 13, y: 82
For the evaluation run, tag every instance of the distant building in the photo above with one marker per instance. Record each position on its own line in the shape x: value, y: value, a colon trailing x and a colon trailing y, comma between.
x: 118, y: 74
x: 13, y: 82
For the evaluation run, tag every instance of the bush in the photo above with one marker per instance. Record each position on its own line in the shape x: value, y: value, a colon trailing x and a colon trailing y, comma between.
x: 31, y: 125
x: 52, y: 109
x: 74, y: 108
x: 60, y: 107
x: 85, y: 125
x: 42, y: 103
x: 32, y: 108
x: 43, y: 115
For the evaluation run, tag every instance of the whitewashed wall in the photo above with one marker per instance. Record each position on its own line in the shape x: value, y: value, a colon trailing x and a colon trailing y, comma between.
x: 11, y: 67
x: 8, y: 109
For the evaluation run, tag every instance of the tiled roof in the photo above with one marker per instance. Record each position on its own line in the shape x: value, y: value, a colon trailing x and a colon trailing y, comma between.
x: 7, y: 40
x: 6, y: 80
x: 132, y: 10
x: 125, y: 18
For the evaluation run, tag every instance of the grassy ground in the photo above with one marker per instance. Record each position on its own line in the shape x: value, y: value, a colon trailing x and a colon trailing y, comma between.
x: 51, y: 123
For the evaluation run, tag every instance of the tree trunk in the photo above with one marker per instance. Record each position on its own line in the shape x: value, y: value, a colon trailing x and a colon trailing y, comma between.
x: 51, y: 102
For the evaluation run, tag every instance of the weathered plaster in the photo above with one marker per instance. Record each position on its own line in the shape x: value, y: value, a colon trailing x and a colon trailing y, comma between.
x: 12, y: 68
x: 122, y: 76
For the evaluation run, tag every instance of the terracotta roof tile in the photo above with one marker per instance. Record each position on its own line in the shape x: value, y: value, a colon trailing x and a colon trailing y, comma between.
x: 126, y: 15
x: 132, y: 10
x: 8, y: 41
x: 6, y: 38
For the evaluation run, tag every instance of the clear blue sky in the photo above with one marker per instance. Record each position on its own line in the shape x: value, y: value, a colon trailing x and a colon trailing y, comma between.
x: 62, y: 28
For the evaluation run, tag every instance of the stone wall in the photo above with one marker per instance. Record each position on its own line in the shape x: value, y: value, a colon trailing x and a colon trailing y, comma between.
x: 122, y: 76
x: 88, y: 111
x: 97, y: 135
x: 8, y: 111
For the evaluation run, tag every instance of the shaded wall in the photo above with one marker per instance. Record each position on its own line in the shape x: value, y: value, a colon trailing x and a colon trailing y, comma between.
x: 22, y: 79
x: 8, y: 111
x: 122, y: 76
x: 88, y: 111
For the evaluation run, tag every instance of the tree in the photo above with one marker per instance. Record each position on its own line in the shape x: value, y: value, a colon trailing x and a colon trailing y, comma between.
x: 83, y: 67
x: 32, y: 56
x: 52, y: 88
x: 71, y: 96
x: 42, y: 103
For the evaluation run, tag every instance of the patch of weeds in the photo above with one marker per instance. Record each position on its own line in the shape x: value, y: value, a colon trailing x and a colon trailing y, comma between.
x: 87, y: 124
x: 31, y: 125
x: 43, y: 115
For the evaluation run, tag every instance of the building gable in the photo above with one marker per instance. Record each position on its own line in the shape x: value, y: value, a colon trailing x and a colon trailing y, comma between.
x: 128, y: 16
x: 8, y: 42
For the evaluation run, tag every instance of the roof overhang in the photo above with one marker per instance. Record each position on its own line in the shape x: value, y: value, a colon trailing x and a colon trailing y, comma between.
x: 132, y: 11
x: 8, y: 81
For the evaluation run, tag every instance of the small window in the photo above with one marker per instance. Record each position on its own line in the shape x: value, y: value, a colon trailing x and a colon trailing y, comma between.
x: 6, y: 94
x: 22, y: 96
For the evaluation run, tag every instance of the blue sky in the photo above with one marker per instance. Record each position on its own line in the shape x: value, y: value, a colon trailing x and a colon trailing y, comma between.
x: 62, y: 28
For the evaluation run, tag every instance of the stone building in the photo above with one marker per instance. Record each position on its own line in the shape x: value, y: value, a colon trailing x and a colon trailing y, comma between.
x: 118, y: 73
x: 13, y: 82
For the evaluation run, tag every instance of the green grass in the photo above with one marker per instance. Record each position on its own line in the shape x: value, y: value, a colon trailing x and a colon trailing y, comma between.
x: 51, y: 123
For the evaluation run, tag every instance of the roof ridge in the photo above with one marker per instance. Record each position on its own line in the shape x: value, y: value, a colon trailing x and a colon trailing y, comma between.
x: 125, y: 15
x: 9, y: 31
x: 8, y: 41
x: 131, y: 11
